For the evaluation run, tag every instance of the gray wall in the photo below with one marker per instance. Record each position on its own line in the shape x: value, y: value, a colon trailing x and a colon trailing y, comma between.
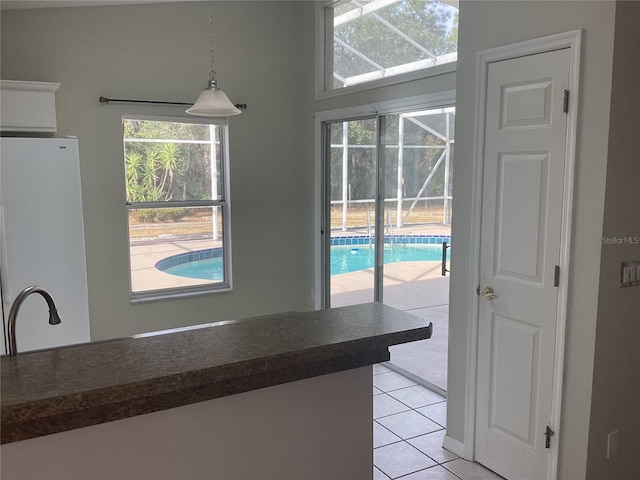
x: 161, y: 52
x: 264, y: 54
x: 615, y: 402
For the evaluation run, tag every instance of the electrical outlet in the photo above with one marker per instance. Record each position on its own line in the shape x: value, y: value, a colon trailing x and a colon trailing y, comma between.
x: 612, y: 444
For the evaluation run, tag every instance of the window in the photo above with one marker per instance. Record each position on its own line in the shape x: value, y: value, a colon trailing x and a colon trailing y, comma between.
x: 177, y: 188
x: 370, y: 40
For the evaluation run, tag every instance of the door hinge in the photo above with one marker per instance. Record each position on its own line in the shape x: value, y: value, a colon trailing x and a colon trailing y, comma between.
x: 556, y: 276
x: 565, y: 102
x: 548, y: 433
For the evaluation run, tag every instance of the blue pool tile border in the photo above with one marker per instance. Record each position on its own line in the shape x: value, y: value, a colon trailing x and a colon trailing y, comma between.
x: 181, y: 258
x: 397, y: 239
x: 345, y: 240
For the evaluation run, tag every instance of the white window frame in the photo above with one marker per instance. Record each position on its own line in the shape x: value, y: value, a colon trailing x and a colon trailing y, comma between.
x: 324, y: 62
x: 183, y: 291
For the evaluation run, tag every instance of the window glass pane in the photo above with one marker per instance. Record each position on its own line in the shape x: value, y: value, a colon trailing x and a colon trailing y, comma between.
x: 336, y: 133
x: 165, y: 168
x: 336, y: 173
x: 427, y: 161
x: 380, y: 38
x: 152, y: 129
x: 362, y: 132
x: 352, y: 173
x: 352, y: 177
x: 362, y: 169
x: 176, y: 247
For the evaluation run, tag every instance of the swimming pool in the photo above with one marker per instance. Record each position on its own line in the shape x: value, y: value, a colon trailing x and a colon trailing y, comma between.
x: 210, y: 269
x: 202, y: 264
x: 346, y: 259
x: 348, y: 254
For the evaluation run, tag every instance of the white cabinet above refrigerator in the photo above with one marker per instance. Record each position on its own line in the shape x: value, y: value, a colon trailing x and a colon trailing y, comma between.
x: 42, y: 240
x: 28, y: 106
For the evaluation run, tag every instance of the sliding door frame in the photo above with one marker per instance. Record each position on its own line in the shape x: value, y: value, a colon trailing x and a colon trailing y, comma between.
x: 321, y: 292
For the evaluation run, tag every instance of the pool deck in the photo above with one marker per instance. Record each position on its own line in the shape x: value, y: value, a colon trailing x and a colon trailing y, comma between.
x: 145, y: 275
x: 415, y: 287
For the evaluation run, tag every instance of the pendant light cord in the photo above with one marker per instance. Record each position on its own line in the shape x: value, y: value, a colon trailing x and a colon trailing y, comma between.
x: 212, y: 73
x: 212, y: 101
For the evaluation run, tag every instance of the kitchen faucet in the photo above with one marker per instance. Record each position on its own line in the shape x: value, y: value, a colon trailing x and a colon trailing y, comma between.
x: 54, y: 318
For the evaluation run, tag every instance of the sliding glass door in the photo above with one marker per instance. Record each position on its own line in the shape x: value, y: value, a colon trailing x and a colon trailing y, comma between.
x: 387, y: 200
x: 350, y: 211
x: 387, y: 211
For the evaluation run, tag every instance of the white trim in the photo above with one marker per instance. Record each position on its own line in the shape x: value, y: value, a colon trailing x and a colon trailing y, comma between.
x: 321, y: 35
x: 27, y: 86
x: 455, y: 447
x: 572, y: 41
x: 565, y: 247
x: 420, y: 102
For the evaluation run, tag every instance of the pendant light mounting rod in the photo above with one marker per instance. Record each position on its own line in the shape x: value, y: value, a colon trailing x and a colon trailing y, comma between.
x: 106, y: 101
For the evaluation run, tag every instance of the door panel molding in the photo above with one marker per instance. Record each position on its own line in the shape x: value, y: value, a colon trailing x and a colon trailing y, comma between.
x: 568, y: 40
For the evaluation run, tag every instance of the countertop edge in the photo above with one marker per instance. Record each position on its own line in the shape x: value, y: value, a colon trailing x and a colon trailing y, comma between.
x: 26, y: 427
x: 67, y: 411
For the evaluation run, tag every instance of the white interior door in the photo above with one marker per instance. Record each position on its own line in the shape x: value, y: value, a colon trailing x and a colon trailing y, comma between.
x: 523, y: 181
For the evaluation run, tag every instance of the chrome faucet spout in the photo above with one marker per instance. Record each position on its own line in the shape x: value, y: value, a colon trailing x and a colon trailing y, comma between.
x: 54, y: 318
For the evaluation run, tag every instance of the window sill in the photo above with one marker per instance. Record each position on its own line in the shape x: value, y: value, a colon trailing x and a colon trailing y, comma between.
x: 153, y: 296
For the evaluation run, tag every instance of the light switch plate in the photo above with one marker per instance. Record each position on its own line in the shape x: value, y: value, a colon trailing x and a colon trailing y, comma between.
x: 630, y: 273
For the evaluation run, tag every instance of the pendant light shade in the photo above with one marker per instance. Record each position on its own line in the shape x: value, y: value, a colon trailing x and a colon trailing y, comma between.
x: 213, y: 102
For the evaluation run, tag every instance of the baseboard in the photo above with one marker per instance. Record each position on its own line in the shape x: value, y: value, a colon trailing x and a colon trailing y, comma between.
x: 455, y: 447
x: 414, y: 378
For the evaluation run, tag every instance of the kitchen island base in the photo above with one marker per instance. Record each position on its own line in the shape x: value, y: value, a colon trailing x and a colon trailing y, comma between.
x: 318, y: 428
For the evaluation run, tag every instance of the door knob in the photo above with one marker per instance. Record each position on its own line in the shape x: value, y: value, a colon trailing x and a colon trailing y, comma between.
x: 488, y: 293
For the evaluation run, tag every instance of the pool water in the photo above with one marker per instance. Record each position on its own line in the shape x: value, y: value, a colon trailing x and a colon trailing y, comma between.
x: 344, y: 259
x: 209, y: 269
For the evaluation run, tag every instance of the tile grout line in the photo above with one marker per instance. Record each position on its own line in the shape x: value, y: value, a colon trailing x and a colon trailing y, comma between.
x: 406, y: 440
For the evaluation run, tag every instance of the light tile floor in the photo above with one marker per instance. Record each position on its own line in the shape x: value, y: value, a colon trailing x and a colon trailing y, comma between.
x: 409, y: 424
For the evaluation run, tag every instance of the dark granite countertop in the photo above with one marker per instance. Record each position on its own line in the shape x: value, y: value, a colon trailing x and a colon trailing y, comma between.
x: 55, y: 390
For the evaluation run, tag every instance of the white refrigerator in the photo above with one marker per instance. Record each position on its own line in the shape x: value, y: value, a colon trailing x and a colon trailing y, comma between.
x: 42, y: 240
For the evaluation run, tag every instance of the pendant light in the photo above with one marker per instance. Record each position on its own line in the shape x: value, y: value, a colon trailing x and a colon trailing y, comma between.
x: 213, y: 102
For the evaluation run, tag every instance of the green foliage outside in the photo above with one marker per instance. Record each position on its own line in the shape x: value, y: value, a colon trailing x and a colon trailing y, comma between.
x: 418, y: 163
x: 432, y: 24
x: 167, y: 171
x: 164, y: 215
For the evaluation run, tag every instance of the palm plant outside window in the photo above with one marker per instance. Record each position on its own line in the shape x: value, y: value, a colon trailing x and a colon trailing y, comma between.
x: 178, y: 205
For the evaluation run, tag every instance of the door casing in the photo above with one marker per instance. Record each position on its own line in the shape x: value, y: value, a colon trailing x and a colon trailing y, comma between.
x: 571, y: 40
